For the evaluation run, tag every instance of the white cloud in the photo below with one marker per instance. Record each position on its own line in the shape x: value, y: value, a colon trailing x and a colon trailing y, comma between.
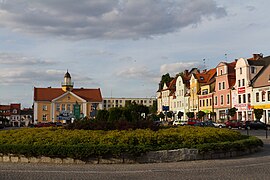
x: 105, y: 19
x: 18, y: 59
x: 33, y: 76
x: 175, y: 68
x: 138, y: 73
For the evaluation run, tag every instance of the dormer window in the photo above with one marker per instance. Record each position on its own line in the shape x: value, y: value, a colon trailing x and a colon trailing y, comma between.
x: 201, y: 78
x: 14, y: 111
x: 253, y: 69
x: 220, y: 72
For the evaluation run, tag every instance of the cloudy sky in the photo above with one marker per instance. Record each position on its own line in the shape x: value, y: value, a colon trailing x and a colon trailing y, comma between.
x: 121, y: 46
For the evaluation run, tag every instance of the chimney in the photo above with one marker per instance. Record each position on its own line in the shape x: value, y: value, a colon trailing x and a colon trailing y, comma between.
x: 257, y: 56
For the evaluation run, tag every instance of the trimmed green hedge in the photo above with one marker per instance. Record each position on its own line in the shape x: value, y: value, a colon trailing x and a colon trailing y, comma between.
x: 83, y: 144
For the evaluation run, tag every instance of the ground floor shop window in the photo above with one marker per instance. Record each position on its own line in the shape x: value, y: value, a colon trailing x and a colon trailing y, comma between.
x: 222, y: 115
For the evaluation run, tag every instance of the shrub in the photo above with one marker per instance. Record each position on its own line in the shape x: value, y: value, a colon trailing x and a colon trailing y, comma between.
x: 82, y: 144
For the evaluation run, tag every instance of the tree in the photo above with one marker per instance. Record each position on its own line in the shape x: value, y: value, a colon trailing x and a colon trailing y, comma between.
x: 258, y: 113
x: 166, y: 78
x: 232, y: 111
x: 161, y: 115
x: 180, y: 114
x: 169, y: 114
x: 102, y: 115
x: 213, y: 115
x: 201, y: 114
x: 190, y: 114
x: 153, y: 108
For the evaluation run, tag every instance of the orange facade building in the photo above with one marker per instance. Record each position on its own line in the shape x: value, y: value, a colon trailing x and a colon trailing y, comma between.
x: 65, y: 104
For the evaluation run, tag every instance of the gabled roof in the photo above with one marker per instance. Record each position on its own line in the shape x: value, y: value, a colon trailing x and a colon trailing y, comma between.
x: 266, y: 61
x: 207, y: 77
x: 48, y: 94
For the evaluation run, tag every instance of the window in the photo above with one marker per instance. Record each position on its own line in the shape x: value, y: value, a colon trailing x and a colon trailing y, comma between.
x: 239, y: 99
x: 205, y: 91
x: 210, y: 102
x: 263, y: 95
x: 203, y: 103
x: 44, y: 117
x: 221, y: 99
x: 44, y: 107
x: 63, y: 107
x: 220, y: 72
x: 243, y: 82
x: 268, y: 94
x: 228, y: 99
x: 239, y: 83
x: 68, y: 107
x: 219, y: 86
x: 57, y: 107
x: 249, y: 100
x: 223, y: 85
x: 244, y: 98
x: 207, y: 102
x: 200, y: 103
x: 257, y: 97
x: 253, y: 69
x: 215, y: 100
x: 120, y: 101
x: 240, y: 70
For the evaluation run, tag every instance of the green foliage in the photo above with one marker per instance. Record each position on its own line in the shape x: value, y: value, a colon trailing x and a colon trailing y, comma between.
x: 161, y: 115
x: 102, y: 115
x: 201, y: 114
x: 180, y: 114
x: 153, y: 108
x: 169, y: 114
x: 82, y: 144
x: 166, y: 78
x: 258, y: 113
x: 190, y: 114
x: 232, y: 111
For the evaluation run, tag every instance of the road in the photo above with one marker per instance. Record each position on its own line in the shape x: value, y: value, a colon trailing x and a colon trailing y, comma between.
x: 255, y: 166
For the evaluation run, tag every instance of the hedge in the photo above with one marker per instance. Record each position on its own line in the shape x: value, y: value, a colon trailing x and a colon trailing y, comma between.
x: 83, y: 144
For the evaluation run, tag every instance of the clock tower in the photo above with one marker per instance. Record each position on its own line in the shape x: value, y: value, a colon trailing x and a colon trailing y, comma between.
x: 67, y: 85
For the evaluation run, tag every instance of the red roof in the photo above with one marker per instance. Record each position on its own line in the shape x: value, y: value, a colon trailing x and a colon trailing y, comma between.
x: 48, y: 94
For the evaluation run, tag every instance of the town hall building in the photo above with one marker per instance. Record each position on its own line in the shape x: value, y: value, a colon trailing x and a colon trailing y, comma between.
x: 65, y: 104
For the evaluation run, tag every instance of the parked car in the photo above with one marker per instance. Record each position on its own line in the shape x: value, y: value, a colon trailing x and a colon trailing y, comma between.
x: 205, y: 124
x: 192, y: 122
x: 219, y: 125
x: 179, y: 123
x: 49, y: 124
x: 234, y: 124
x: 255, y: 125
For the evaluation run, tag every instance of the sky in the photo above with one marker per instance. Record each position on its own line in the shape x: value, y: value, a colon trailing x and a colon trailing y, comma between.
x: 122, y: 47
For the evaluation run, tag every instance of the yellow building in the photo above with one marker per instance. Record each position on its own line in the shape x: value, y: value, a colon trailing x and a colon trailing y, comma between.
x: 65, y: 104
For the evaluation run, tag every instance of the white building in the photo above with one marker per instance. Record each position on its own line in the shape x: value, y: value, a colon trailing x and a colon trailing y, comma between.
x: 108, y: 103
x: 246, y: 70
x: 261, y: 91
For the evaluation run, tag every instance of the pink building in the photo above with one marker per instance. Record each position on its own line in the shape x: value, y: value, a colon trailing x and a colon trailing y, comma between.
x: 225, y: 80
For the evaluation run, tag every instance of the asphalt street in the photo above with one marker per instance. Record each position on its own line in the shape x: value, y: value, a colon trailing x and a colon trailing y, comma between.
x: 255, y: 166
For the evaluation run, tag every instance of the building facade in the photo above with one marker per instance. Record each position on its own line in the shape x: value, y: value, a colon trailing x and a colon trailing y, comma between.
x: 108, y: 103
x: 225, y: 80
x: 65, y: 104
x: 261, y: 92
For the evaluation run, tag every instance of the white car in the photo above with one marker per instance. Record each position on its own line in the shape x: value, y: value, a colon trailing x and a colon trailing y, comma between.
x: 219, y: 125
x: 179, y: 123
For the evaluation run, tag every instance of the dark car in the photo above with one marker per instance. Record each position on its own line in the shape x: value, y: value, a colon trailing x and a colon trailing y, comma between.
x: 255, y: 125
x: 234, y: 124
x: 205, y: 124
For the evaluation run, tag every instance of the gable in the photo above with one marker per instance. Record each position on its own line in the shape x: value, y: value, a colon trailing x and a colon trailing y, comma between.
x: 68, y: 97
